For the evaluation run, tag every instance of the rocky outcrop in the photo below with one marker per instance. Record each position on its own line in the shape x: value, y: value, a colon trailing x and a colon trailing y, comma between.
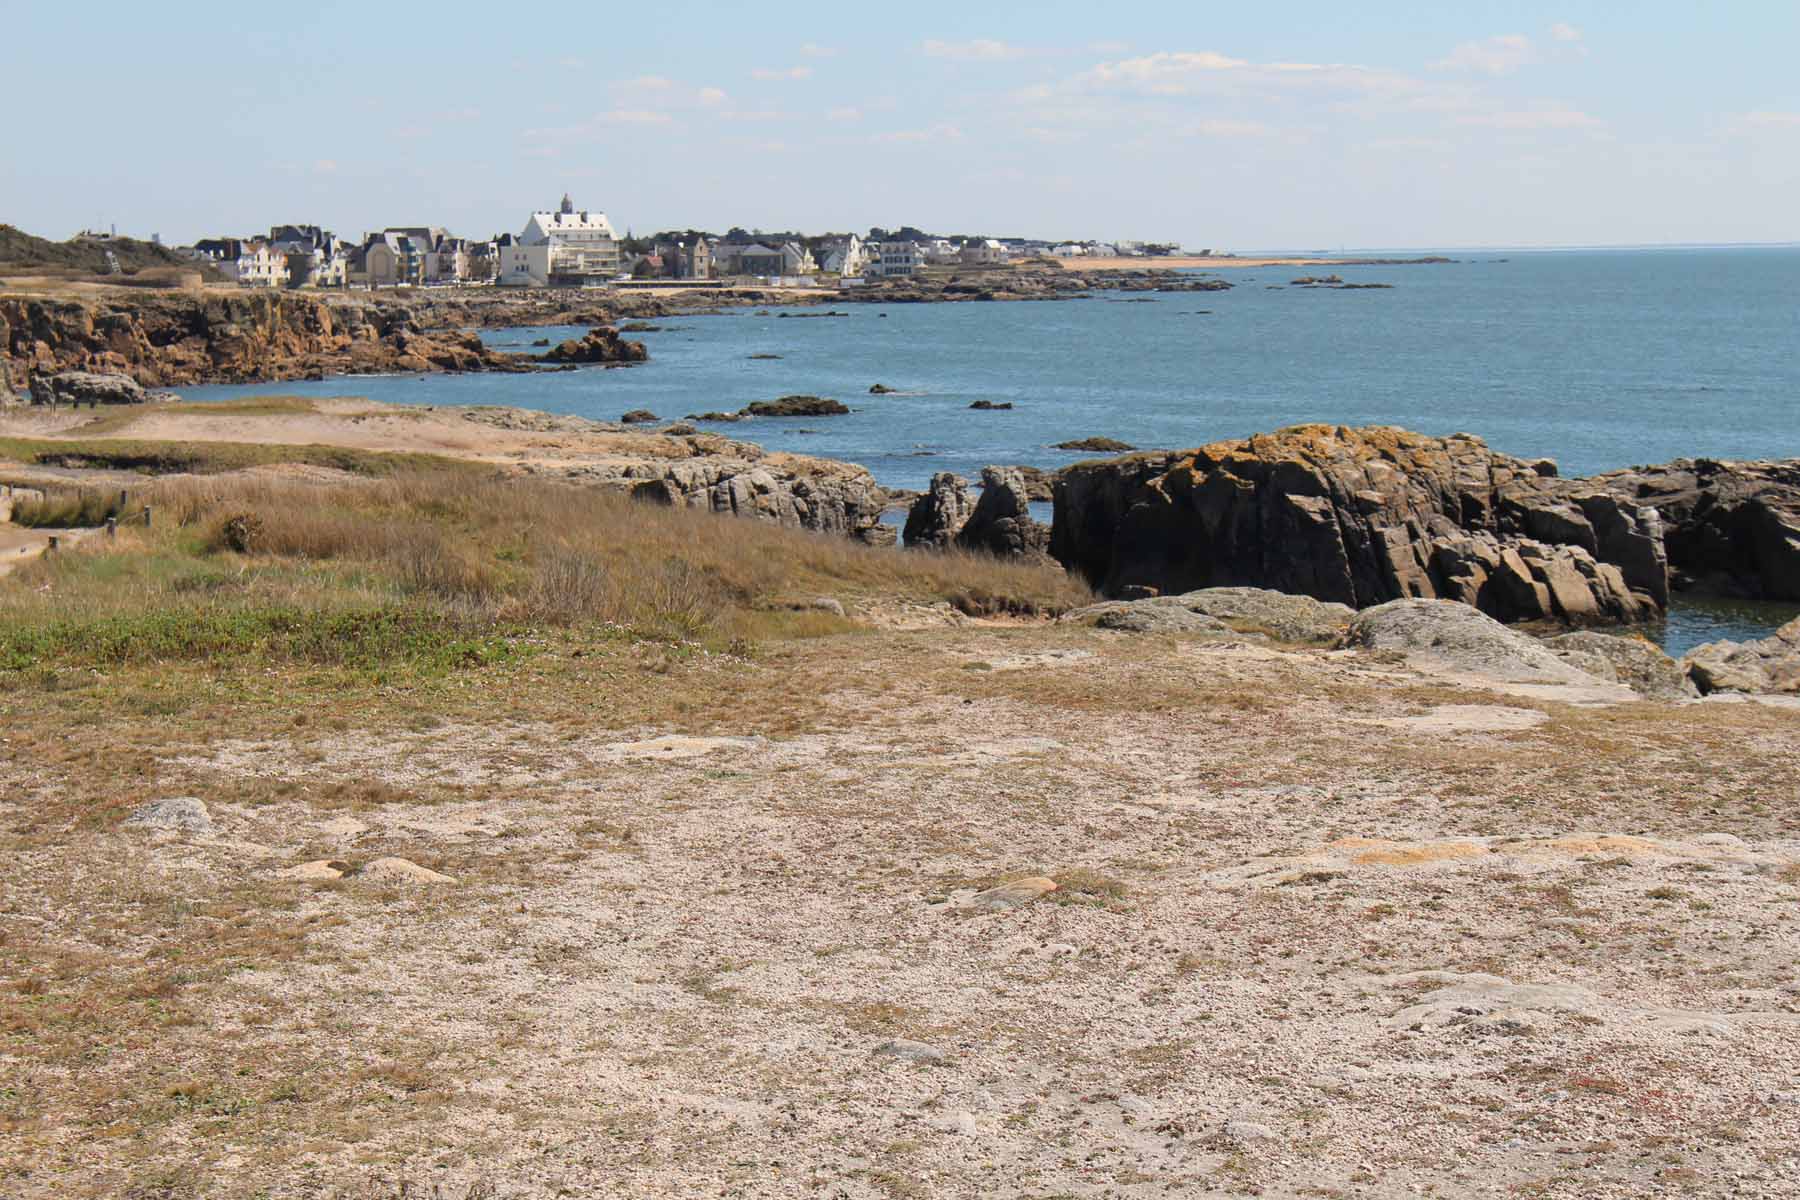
x: 1771, y: 664
x: 1096, y: 445
x: 938, y: 515
x: 795, y: 406
x: 1297, y: 620
x: 1632, y: 661
x: 84, y: 387
x: 601, y: 344
x: 1361, y: 517
x: 1001, y: 522
x: 1729, y: 526
x: 803, y: 493
x: 171, y: 338
x: 1446, y: 636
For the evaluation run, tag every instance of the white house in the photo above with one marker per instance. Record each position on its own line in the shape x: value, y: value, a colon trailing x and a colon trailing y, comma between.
x: 256, y: 264
x: 895, y: 260
x: 846, y: 258
x: 561, y: 247
x: 983, y: 253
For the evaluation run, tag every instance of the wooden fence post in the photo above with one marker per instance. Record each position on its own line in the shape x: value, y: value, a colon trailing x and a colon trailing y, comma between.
x: 146, y: 516
x: 52, y: 546
x: 112, y: 527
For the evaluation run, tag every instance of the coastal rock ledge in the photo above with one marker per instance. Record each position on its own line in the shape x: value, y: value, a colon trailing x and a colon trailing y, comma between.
x: 1361, y: 517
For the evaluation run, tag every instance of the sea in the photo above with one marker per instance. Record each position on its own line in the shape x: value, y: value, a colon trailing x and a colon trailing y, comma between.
x: 1597, y: 359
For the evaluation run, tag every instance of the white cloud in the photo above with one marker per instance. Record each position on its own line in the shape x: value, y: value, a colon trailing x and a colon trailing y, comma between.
x: 1562, y: 31
x: 846, y: 113
x: 643, y: 83
x: 790, y: 73
x: 979, y: 50
x: 1109, y: 47
x: 754, y: 114
x: 1207, y: 72
x: 814, y: 50
x: 1224, y: 128
x: 632, y: 116
x: 711, y: 96
x: 1767, y: 118
x: 325, y: 166
x: 1500, y: 55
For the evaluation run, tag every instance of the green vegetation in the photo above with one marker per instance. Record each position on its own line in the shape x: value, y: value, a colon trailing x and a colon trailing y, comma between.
x: 210, y: 458
x: 82, y: 509
x: 22, y: 252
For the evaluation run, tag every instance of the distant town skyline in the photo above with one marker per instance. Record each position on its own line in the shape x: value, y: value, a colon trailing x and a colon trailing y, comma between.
x: 1295, y: 125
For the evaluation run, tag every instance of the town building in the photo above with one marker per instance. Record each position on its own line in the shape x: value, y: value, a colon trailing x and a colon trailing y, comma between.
x: 565, y: 248
x: 894, y: 260
x: 846, y: 257
x: 986, y: 252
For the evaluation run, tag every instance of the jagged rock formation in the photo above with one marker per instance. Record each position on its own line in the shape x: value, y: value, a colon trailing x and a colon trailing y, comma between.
x: 1360, y: 517
x: 938, y: 515
x: 1771, y: 664
x: 601, y: 344
x: 83, y: 387
x: 176, y: 338
x: 1001, y: 523
x: 804, y: 493
x: 1729, y: 526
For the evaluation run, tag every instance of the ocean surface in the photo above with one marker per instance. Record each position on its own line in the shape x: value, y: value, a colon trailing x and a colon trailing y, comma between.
x: 1597, y: 359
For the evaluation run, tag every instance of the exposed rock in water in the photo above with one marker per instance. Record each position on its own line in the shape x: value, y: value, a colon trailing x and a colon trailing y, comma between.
x: 1001, y: 524
x: 1097, y: 445
x: 84, y: 387
x: 600, y: 345
x: 796, y: 406
x: 1729, y: 526
x: 880, y: 389
x: 639, y: 416
x: 1771, y: 664
x: 991, y: 405
x: 1360, y: 517
x: 713, y: 416
x: 938, y: 515
x: 1459, y: 638
x: 1629, y: 660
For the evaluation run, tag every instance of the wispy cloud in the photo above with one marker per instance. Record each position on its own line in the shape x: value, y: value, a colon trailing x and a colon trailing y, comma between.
x: 643, y: 83
x: 979, y: 50
x: 633, y: 116
x: 1767, y: 118
x: 710, y: 97
x: 791, y: 73
x: 944, y: 132
x: 846, y: 113
x: 1551, y: 117
x: 325, y: 166
x: 1562, y: 31
x: 1500, y: 55
x: 814, y: 50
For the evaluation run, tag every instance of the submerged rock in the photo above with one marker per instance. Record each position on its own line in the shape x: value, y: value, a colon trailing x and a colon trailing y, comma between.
x: 1097, y: 445
x: 796, y: 406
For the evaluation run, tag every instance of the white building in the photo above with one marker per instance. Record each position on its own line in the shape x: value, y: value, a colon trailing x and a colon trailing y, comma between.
x: 256, y: 264
x: 561, y: 247
x: 983, y: 253
x: 847, y: 258
x: 895, y: 260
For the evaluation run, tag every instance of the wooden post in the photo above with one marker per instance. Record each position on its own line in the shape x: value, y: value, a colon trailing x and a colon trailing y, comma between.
x: 52, y: 546
x: 112, y: 527
x: 124, y: 499
x: 146, y: 516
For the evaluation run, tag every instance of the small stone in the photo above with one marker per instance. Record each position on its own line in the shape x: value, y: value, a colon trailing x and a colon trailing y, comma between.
x: 1013, y: 893
x: 182, y: 814
x: 319, y: 870
x: 1248, y: 1131
x: 401, y: 870
x: 911, y: 1051
x: 828, y: 604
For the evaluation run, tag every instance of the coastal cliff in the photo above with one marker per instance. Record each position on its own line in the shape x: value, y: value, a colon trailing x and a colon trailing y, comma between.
x: 176, y: 338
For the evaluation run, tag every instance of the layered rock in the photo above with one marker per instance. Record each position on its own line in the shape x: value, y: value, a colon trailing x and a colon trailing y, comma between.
x: 1001, y: 522
x: 1361, y: 517
x: 1730, y: 526
x: 1771, y: 664
x: 172, y: 338
x: 84, y: 387
x: 939, y: 514
x: 803, y: 493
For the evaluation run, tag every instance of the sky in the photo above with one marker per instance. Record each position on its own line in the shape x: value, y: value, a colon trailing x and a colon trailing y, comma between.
x: 1276, y: 125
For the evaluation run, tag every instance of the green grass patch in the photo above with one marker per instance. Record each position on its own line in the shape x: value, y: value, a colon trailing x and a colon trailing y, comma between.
x: 212, y: 458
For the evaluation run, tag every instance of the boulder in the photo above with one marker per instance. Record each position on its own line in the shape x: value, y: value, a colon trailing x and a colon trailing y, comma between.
x: 938, y: 515
x: 1163, y: 614
x: 1096, y: 445
x: 600, y: 345
x: 1771, y: 664
x: 85, y: 387
x: 178, y: 814
x: 796, y: 406
x: 1360, y: 517
x: 1299, y: 620
x: 1001, y: 523
x: 1448, y: 635
x: 639, y: 416
x: 1632, y: 661
x: 992, y: 406
x: 877, y: 389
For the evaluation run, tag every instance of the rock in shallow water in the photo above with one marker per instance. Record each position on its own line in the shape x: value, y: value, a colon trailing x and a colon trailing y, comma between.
x: 1771, y: 664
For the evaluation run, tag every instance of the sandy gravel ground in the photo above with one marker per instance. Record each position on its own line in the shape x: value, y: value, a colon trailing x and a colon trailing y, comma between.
x: 1323, y: 927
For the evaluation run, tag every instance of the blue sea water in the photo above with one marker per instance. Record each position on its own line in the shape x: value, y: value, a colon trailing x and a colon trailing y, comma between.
x: 1598, y: 359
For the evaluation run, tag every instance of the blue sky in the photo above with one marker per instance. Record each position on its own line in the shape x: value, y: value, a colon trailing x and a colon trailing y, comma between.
x: 1295, y: 125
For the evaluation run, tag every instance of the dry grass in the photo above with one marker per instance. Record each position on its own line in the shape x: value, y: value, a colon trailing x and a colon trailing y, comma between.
x: 436, y: 566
